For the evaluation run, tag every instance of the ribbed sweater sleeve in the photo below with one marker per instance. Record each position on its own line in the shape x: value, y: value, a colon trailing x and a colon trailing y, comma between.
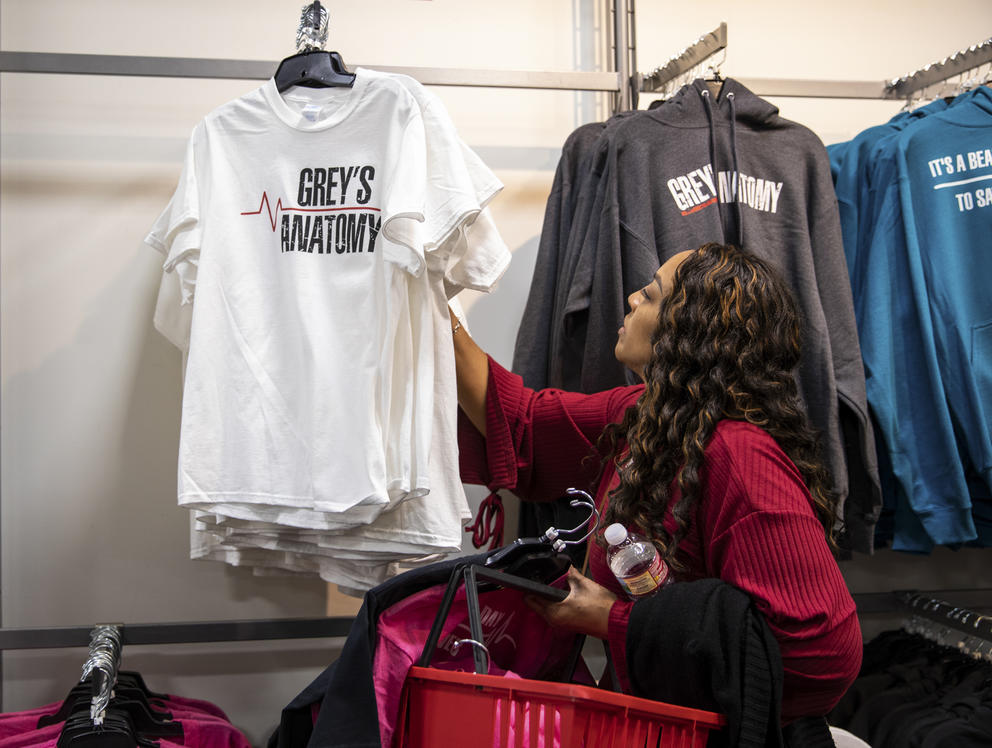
x: 538, y: 443
x: 767, y: 541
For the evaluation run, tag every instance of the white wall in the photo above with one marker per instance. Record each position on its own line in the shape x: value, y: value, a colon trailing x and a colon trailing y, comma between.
x: 90, y: 392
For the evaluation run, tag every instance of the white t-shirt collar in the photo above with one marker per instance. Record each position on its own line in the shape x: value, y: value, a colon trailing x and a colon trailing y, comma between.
x: 312, y: 109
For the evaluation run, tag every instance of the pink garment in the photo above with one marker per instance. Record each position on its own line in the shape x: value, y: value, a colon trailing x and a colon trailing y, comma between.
x: 13, y: 724
x: 172, y: 702
x: 54, y: 741
x: 519, y: 641
x: 199, y: 731
x: 32, y: 736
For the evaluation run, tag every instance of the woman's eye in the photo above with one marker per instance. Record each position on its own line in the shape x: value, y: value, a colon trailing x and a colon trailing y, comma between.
x: 644, y: 293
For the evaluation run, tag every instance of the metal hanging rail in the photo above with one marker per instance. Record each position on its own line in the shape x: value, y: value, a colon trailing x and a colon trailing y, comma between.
x: 814, y: 88
x: 896, y: 601
x: 213, y: 68
x: 193, y: 67
x: 625, y: 61
x: 901, y: 88
x: 193, y: 632
x: 959, y: 618
x: 690, y: 57
x: 938, y: 72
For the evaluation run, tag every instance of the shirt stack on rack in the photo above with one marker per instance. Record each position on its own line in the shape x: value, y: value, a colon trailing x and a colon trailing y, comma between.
x: 311, y: 248
x: 915, y: 202
x: 713, y: 163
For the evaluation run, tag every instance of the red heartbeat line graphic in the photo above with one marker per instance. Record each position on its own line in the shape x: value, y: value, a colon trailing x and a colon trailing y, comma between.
x: 274, y: 217
x: 699, y: 207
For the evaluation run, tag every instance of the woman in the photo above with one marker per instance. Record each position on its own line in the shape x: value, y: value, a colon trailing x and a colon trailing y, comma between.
x: 712, y: 458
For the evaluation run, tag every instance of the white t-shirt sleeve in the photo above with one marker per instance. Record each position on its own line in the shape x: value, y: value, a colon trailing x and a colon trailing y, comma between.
x: 403, y: 204
x: 454, y: 195
x: 177, y: 233
x: 173, y: 318
x: 474, y: 257
x: 486, y: 184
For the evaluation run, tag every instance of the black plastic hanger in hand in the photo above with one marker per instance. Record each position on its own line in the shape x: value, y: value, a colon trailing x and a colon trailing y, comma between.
x: 318, y: 69
x: 530, y: 558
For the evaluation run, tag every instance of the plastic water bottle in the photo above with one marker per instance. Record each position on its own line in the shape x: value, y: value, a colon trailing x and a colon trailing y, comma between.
x: 635, y: 562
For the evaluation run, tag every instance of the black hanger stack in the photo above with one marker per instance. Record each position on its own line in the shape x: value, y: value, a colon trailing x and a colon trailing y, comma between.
x: 313, y: 66
x: 109, y: 708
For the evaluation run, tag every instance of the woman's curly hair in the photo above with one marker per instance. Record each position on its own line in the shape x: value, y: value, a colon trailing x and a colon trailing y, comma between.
x: 727, y: 345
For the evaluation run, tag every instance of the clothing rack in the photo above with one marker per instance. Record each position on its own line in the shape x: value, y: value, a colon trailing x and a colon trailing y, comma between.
x: 103, y: 664
x: 690, y: 57
x: 962, y: 620
x: 192, y: 632
x: 938, y: 72
x: 609, y: 82
x: 624, y: 56
x: 202, y: 67
x: 894, y: 602
x: 949, y: 626
x: 59, y: 63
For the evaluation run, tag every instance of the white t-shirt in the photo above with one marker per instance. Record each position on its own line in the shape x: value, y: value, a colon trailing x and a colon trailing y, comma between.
x: 296, y: 227
x: 464, y: 249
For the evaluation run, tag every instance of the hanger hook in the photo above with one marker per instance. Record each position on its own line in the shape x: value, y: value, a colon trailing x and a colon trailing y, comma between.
x: 712, y: 69
x: 457, y: 644
x: 312, y: 33
x: 594, y: 514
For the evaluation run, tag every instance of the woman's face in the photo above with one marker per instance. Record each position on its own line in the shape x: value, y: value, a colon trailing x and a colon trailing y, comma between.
x: 633, y: 348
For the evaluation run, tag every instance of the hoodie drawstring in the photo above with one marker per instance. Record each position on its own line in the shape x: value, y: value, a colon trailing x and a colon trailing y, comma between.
x: 708, y: 106
x: 735, y: 178
x: 737, y: 173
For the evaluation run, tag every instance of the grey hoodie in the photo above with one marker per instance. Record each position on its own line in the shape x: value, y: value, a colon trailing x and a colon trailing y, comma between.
x: 730, y: 169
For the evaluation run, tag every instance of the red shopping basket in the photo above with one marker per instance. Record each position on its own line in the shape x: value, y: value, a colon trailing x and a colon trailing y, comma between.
x: 443, y: 709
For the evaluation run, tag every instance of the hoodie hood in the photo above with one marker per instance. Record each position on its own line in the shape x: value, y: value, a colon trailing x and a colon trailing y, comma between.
x: 685, y: 108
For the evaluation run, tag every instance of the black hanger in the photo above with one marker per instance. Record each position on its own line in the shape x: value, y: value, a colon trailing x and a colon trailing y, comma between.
x: 82, y: 694
x: 530, y: 558
x: 144, y: 720
x: 133, y: 679
x: 714, y: 81
x: 117, y: 731
x: 313, y: 67
x: 124, y: 720
x: 318, y: 69
x: 715, y: 84
x: 542, y: 559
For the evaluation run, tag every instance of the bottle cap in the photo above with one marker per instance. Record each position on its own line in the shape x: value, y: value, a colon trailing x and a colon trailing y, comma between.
x: 615, y: 534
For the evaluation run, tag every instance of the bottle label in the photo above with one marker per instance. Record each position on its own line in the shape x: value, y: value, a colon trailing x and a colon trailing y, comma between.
x: 647, y: 581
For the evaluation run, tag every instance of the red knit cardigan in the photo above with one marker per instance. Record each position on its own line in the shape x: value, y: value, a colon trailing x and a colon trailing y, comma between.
x: 754, y: 527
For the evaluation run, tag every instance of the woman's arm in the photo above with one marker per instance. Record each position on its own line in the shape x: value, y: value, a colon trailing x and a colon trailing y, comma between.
x: 765, y: 539
x: 534, y: 443
x: 472, y: 373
